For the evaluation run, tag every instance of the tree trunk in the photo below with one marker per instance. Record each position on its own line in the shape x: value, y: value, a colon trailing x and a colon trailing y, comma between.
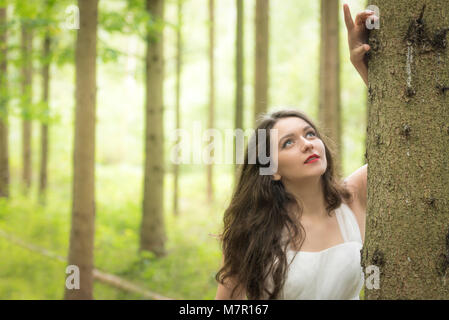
x: 239, y: 78
x: 262, y: 59
x: 210, y: 189
x: 329, y: 105
x: 178, y: 108
x: 43, y: 176
x: 4, y: 155
x: 365, y: 137
x: 81, y: 250
x: 27, y: 92
x: 152, y: 236
x: 407, y: 228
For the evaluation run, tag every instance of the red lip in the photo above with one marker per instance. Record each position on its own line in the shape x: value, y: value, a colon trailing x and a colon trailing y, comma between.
x: 313, y: 155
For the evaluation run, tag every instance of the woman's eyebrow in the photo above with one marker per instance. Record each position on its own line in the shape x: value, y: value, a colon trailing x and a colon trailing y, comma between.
x: 292, y: 133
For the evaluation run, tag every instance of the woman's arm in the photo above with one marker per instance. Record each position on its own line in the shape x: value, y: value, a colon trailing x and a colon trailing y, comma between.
x: 224, y: 291
x: 363, y: 71
x: 358, y: 39
x: 357, y: 182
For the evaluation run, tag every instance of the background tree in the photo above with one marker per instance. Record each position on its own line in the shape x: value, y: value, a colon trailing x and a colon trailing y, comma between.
x: 178, y: 102
x: 26, y: 13
x: 152, y: 234
x: 329, y: 98
x: 261, y: 79
x: 43, y: 173
x: 4, y: 154
x: 45, y: 62
x: 407, y: 226
x: 239, y: 77
x: 81, y: 250
x: 211, y: 118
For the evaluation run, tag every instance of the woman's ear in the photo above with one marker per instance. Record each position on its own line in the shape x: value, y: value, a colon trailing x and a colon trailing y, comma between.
x: 276, y: 177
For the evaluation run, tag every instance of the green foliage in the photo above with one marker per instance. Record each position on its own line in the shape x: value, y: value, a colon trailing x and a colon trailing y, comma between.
x: 112, y: 21
x: 63, y: 56
x: 108, y: 54
x: 27, y: 11
x: 44, y: 114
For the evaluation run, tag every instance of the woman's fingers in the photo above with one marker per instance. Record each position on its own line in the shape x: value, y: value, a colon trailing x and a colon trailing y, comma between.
x: 358, y: 53
x: 373, y: 18
x: 348, y: 17
x: 361, y: 49
x: 359, y: 19
x: 362, y: 16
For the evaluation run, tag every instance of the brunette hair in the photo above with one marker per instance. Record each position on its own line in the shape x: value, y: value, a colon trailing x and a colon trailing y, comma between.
x: 253, y: 238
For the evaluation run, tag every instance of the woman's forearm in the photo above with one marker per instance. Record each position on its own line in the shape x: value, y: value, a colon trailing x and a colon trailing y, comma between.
x: 363, y: 71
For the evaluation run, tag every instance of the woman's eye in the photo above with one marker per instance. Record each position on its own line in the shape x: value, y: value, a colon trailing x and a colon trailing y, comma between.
x: 312, y: 133
x: 285, y: 143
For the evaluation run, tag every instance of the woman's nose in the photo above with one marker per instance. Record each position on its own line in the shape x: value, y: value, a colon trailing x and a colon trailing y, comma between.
x: 306, y: 144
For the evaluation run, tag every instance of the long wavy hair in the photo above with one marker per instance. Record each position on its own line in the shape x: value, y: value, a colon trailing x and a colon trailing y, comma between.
x: 261, y: 220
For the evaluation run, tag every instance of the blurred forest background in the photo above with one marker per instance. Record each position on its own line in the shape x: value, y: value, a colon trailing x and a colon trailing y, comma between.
x: 40, y: 214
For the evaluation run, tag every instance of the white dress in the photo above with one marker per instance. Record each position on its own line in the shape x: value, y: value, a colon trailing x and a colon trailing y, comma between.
x: 331, y: 274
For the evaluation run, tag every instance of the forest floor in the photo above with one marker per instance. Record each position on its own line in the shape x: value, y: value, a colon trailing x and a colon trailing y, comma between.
x: 186, y: 272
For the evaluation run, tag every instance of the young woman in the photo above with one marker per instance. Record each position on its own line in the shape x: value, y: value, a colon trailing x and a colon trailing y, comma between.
x: 296, y: 234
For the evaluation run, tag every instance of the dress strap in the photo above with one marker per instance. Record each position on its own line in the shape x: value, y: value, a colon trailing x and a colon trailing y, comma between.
x: 349, y: 226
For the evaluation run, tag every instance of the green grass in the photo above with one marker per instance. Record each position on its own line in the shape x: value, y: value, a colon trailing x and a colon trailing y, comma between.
x: 186, y: 272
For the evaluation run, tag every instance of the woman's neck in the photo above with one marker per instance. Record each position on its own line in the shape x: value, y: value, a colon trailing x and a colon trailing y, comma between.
x: 309, y: 194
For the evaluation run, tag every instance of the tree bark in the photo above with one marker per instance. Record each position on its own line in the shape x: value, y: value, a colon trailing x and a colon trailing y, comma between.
x: 26, y: 105
x: 152, y: 235
x: 261, y: 80
x: 43, y: 176
x: 329, y: 105
x: 239, y: 77
x: 4, y: 154
x: 407, y: 227
x: 81, y: 250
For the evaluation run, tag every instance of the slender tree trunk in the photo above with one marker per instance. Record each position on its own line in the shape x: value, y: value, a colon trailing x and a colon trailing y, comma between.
x: 81, y: 250
x: 239, y: 78
x: 152, y: 236
x: 178, y: 99
x: 43, y: 176
x: 4, y: 155
x: 27, y: 92
x: 329, y: 105
x: 407, y: 227
x: 261, y: 80
x: 211, y: 122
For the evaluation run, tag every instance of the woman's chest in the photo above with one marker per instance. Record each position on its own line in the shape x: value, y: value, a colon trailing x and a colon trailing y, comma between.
x: 321, y: 236
x: 332, y: 274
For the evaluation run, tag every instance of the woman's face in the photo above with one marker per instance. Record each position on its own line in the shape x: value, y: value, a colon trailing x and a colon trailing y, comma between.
x: 296, y: 141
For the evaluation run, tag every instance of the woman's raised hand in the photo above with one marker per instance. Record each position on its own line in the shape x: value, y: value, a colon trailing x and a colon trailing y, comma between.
x: 358, y: 34
x: 358, y: 39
